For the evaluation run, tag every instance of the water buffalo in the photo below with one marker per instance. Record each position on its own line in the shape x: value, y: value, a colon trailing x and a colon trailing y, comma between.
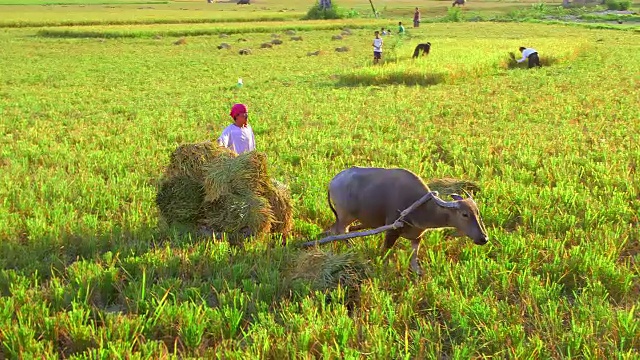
x: 376, y: 196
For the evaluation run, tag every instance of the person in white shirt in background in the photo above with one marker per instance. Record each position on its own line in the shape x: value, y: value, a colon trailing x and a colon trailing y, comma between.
x: 531, y: 54
x: 238, y: 136
x: 377, y: 48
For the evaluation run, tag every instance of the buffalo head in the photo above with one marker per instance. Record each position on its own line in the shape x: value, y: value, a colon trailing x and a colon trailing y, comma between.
x: 466, y: 218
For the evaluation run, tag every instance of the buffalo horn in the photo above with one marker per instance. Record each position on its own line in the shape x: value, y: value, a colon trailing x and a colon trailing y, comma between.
x: 447, y: 204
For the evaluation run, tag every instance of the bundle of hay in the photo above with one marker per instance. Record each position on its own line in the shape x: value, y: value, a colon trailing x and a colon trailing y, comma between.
x: 179, y: 199
x: 181, y: 191
x: 325, y: 270
x: 235, y: 192
x: 209, y: 186
x: 280, y: 202
x: 448, y: 186
x: 189, y: 159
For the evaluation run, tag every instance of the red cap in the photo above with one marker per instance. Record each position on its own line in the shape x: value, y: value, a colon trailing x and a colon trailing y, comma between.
x: 238, y: 109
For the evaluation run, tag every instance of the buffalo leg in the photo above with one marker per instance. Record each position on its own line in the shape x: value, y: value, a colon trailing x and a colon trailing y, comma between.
x: 390, y: 238
x: 415, y: 265
x: 341, y: 226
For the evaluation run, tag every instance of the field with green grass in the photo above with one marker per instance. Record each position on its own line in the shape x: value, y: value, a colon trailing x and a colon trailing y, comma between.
x: 95, y: 98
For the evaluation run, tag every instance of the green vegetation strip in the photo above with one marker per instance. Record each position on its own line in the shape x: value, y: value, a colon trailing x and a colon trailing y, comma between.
x: 29, y: 23
x: 611, y: 17
x: 298, y: 26
x: 634, y: 28
x: 138, y: 33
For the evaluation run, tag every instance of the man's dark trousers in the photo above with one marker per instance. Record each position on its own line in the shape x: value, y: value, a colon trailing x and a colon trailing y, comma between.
x: 534, y: 60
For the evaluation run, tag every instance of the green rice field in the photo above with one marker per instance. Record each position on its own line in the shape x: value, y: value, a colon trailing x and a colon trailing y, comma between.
x: 95, y: 96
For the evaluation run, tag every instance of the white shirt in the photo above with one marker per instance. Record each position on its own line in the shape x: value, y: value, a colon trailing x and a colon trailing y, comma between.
x: 377, y: 45
x: 238, y: 139
x: 525, y: 54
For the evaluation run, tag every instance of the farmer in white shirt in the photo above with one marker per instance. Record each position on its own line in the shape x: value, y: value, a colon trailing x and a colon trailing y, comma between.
x: 377, y: 48
x: 239, y: 135
x: 531, y: 54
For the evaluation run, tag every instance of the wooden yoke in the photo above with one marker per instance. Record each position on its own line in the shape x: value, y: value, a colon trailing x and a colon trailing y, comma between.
x: 396, y: 224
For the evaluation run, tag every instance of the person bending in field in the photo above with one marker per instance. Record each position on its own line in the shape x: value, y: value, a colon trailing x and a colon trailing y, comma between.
x: 238, y: 136
x: 531, y: 54
x: 400, y: 28
x: 377, y: 48
x: 425, y: 48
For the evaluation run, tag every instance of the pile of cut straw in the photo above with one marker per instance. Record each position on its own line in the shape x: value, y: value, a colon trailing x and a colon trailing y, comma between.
x: 209, y: 186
